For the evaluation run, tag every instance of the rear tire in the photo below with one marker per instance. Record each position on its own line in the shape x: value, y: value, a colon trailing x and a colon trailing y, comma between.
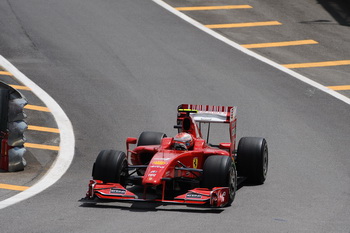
x: 111, y: 166
x: 150, y: 138
x: 252, y: 159
x: 220, y: 171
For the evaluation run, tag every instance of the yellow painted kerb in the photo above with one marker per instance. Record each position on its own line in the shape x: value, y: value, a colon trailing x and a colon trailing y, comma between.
x: 37, y: 108
x: 43, y: 129
x: 41, y: 146
x: 318, y: 64
x: 5, y: 73
x: 240, y: 25
x: 203, y: 8
x: 279, y: 44
x: 18, y: 87
x: 340, y: 88
x: 13, y: 187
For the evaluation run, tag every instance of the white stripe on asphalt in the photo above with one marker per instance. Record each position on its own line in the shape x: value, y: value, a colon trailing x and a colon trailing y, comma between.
x: 253, y: 54
x: 67, y: 140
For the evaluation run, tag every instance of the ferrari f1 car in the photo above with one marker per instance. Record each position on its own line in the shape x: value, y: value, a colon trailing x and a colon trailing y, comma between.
x: 185, y: 169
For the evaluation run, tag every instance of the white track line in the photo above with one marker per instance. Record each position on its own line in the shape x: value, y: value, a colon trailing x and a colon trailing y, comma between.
x: 67, y: 140
x: 253, y: 54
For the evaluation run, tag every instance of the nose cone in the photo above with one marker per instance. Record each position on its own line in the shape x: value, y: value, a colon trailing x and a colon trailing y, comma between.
x: 161, y: 166
x: 155, y: 172
x: 153, y: 176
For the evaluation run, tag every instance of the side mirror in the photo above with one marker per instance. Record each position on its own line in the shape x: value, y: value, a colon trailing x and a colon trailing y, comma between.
x: 131, y: 140
x: 225, y: 145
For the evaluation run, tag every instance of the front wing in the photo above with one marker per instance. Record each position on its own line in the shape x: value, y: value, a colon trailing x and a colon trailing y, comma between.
x: 110, y: 192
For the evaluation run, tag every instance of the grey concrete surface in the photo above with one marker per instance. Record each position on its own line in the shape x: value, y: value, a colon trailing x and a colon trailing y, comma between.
x: 121, y: 67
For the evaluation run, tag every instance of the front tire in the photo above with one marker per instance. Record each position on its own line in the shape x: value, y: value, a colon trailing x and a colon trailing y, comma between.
x: 111, y: 166
x: 220, y: 171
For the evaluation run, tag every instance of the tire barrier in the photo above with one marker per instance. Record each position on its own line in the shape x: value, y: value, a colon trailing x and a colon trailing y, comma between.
x: 12, y: 128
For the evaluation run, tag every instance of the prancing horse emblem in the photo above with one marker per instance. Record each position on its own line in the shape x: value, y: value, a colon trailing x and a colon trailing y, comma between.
x: 195, y: 162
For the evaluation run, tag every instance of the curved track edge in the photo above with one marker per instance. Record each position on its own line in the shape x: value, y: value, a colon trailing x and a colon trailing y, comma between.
x: 67, y: 140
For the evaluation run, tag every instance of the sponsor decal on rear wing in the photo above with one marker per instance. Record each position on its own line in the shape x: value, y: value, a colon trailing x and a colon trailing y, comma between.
x: 210, y: 113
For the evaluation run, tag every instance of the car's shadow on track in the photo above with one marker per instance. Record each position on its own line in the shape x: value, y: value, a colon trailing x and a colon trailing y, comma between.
x: 152, y: 207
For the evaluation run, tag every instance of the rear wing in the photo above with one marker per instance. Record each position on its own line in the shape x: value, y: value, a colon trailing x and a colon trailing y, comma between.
x: 213, y: 114
x: 209, y: 113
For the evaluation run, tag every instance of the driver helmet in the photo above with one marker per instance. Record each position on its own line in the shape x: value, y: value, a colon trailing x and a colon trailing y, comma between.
x: 183, y: 141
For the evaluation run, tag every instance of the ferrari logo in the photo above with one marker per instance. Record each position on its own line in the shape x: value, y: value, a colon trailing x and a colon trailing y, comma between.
x: 195, y: 162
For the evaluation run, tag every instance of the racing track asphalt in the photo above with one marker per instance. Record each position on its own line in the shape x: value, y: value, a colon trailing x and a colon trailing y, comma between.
x: 120, y: 67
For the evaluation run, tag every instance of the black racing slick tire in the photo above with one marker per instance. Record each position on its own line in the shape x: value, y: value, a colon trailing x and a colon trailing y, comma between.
x: 111, y: 166
x: 150, y: 138
x: 220, y: 171
x: 252, y: 159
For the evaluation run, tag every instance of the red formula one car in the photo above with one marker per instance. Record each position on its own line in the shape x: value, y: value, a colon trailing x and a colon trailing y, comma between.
x: 184, y: 169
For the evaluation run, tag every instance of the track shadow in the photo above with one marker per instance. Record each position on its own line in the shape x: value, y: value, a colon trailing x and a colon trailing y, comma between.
x: 339, y: 9
x: 152, y: 207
